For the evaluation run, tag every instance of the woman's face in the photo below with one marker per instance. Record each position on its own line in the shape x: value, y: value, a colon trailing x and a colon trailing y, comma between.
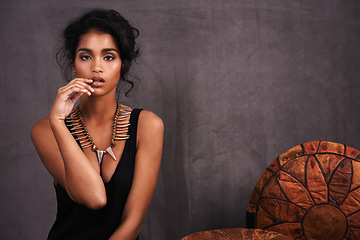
x: 97, y: 58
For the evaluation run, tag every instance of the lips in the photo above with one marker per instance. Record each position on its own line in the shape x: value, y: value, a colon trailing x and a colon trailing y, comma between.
x: 97, y: 81
x: 98, y: 78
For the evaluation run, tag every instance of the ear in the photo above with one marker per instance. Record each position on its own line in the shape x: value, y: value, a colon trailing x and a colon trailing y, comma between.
x: 73, y: 67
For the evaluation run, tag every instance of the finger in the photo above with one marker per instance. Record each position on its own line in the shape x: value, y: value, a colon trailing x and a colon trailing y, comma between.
x: 84, y: 80
x: 75, y: 87
x: 81, y: 90
x: 76, y: 96
x: 79, y: 82
x: 84, y: 85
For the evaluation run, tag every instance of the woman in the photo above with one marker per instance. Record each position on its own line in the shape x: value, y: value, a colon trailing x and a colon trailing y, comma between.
x: 104, y: 156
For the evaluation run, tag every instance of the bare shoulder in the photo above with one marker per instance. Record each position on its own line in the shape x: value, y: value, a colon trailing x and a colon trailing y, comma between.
x: 149, y: 121
x: 150, y: 128
x: 41, y: 129
x: 44, y: 139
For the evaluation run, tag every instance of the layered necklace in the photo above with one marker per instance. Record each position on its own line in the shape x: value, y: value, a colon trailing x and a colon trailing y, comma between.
x: 121, y: 122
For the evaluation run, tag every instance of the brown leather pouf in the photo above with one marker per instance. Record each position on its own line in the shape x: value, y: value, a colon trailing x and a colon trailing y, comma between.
x: 312, y: 191
x: 237, y: 234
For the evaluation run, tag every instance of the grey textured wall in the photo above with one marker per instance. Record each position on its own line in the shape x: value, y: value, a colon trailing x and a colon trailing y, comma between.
x: 236, y: 82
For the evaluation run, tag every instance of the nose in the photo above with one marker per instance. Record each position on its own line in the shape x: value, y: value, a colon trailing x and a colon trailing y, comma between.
x: 96, y: 66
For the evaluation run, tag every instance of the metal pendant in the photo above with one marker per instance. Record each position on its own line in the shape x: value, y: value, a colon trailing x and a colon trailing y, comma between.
x: 111, y: 153
x: 100, y: 155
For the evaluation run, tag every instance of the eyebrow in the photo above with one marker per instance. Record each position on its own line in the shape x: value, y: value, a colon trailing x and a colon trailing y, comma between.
x: 103, y: 50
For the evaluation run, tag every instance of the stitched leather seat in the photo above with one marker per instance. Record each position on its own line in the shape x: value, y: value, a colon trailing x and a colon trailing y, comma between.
x: 237, y: 234
x: 312, y: 191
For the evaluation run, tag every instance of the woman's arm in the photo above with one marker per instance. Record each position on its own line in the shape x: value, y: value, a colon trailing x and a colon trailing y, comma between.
x: 147, y: 163
x: 62, y: 156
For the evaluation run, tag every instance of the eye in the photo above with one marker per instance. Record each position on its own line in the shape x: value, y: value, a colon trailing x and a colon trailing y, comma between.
x: 85, y: 57
x: 109, y: 58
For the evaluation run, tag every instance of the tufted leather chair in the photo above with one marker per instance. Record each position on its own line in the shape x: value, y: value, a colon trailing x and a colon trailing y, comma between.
x: 237, y: 234
x: 311, y: 191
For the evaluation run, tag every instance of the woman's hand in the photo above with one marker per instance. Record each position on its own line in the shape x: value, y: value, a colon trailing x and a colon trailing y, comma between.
x: 65, y: 101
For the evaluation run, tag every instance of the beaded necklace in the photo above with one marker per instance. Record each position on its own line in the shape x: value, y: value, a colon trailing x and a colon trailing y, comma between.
x: 120, y: 130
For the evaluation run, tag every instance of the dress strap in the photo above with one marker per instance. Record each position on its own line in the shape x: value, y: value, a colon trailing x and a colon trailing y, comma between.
x: 134, y: 118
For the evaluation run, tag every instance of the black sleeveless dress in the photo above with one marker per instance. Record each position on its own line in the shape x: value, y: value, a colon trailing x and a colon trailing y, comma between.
x: 77, y: 222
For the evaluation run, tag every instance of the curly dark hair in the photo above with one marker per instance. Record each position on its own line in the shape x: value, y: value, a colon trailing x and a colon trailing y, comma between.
x: 105, y: 21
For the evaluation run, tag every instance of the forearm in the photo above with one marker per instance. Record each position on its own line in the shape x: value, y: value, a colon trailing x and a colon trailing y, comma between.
x: 82, y: 181
x: 126, y: 231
